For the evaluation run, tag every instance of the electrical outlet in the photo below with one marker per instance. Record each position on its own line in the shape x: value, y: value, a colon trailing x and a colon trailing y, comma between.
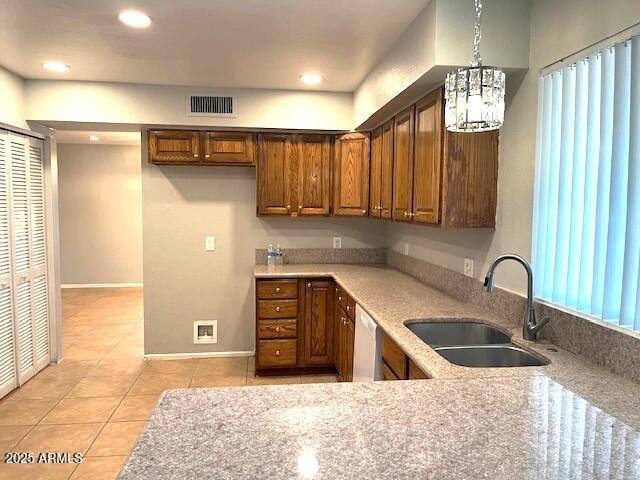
x: 468, y: 267
x: 210, y: 243
x: 406, y: 248
x: 337, y: 242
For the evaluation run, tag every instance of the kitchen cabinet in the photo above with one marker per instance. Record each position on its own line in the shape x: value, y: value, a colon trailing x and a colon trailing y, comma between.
x: 345, y: 334
x: 293, y: 175
x: 403, y: 127
x: 174, y: 147
x: 442, y: 178
x: 318, y: 322
x: 394, y: 360
x: 415, y: 373
x: 195, y: 147
x: 229, y: 148
x: 381, y: 182
x: 351, y: 175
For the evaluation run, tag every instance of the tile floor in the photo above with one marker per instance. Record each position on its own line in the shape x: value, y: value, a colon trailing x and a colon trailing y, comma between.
x: 99, y: 398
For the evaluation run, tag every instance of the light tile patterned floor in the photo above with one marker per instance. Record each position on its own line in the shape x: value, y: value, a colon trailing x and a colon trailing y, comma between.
x: 98, y: 400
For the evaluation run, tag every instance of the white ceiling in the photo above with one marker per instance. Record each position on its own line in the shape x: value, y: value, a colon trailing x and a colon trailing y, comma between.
x: 105, y: 138
x: 226, y: 43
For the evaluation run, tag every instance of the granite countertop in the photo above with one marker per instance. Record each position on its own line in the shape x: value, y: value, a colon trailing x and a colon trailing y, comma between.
x: 498, y: 428
x: 569, y: 419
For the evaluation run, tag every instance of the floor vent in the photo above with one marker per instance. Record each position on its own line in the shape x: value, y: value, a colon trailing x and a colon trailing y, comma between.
x: 211, y: 106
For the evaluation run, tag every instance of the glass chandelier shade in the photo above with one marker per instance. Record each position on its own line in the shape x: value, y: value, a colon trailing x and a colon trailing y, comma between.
x: 474, y: 96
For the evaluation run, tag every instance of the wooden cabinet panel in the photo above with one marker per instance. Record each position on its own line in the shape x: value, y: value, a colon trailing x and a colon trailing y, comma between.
x: 351, y: 175
x: 174, y: 146
x: 350, y: 337
x: 281, y: 328
x: 318, y: 323
x: 229, y: 148
x: 403, y: 165
x: 338, y: 328
x: 387, y: 373
x: 277, y: 353
x: 375, y: 183
x: 415, y: 373
x: 394, y: 357
x: 277, y: 308
x: 275, y: 289
x: 427, y: 159
x: 470, y: 179
x: 386, y: 182
x: 314, y: 167
x: 275, y: 163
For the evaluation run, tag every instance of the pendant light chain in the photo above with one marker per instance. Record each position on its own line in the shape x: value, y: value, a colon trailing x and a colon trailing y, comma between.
x: 477, y: 35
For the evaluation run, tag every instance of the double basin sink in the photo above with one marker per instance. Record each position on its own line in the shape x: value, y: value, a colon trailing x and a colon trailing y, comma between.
x: 470, y: 343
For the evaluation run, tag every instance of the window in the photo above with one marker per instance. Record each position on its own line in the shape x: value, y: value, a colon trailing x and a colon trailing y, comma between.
x: 586, y: 225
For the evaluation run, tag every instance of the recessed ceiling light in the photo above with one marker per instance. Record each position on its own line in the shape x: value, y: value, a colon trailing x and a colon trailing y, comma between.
x: 57, y: 67
x: 94, y: 138
x: 135, y: 19
x: 310, y: 78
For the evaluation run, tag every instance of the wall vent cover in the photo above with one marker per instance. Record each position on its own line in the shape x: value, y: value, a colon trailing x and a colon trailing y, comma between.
x: 211, y: 106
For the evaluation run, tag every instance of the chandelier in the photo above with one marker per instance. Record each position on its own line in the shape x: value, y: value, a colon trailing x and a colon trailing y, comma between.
x: 474, y: 96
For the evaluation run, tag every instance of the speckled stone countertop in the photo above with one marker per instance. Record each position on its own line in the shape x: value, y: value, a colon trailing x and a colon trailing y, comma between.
x: 569, y: 419
x: 500, y: 428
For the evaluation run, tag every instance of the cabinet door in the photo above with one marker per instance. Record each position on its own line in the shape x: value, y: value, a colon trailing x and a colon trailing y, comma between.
x: 174, y: 146
x: 349, y: 348
x: 338, y: 326
x: 428, y: 158
x: 351, y: 175
x: 375, y: 204
x: 403, y: 165
x: 386, y: 181
x: 275, y: 156
x: 229, y: 148
x: 318, y: 322
x: 314, y: 166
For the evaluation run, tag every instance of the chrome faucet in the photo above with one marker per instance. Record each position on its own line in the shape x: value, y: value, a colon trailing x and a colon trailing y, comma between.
x: 531, y: 326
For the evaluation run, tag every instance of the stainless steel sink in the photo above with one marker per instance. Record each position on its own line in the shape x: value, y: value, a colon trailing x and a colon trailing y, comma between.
x: 490, y: 356
x: 457, y: 333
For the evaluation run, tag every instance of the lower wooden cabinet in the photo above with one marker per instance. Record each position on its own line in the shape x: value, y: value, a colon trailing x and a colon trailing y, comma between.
x: 395, y: 364
x: 345, y: 334
x: 415, y: 373
x: 318, y: 322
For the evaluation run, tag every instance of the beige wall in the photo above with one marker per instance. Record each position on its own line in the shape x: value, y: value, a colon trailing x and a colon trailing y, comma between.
x: 183, y: 282
x: 12, y: 99
x: 100, y: 214
x: 557, y: 29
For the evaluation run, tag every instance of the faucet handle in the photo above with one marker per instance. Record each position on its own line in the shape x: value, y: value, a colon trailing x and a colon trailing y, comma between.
x: 488, y: 283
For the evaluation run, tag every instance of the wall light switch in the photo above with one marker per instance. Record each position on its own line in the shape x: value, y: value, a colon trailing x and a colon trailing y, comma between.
x: 337, y: 242
x: 468, y: 267
x: 406, y: 248
x: 210, y: 244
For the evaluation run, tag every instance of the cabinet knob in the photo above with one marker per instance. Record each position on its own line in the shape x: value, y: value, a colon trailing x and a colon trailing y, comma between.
x: 344, y: 321
x: 348, y: 308
x: 288, y: 208
x: 277, y: 353
x: 207, y: 156
x: 277, y: 329
x: 339, y: 298
x: 309, y: 284
x: 277, y: 309
x: 299, y: 207
x: 195, y: 155
x: 364, y: 212
x: 411, y: 215
x: 406, y: 214
x: 277, y: 289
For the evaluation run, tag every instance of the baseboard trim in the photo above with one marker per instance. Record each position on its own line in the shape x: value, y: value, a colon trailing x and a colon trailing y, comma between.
x: 101, y: 285
x: 175, y: 356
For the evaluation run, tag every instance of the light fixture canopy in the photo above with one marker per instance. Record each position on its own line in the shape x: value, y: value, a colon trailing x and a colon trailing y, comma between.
x: 54, y: 66
x: 311, y: 78
x: 474, y: 96
x: 134, y: 18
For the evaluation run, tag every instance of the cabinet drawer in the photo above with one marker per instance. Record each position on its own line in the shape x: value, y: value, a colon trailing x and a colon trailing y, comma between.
x: 277, y: 308
x: 277, y: 353
x: 274, y: 289
x: 387, y: 373
x: 346, y: 303
x: 394, y: 357
x: 415, y: 373
x: 277, y: 329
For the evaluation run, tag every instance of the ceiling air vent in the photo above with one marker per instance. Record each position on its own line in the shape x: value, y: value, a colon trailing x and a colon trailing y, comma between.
x: 210, y: 106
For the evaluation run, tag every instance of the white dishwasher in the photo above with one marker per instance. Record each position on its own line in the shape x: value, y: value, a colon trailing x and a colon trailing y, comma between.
x: 367, y: 348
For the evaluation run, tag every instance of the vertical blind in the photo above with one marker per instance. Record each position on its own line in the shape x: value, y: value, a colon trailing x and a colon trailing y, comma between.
x: 586, y: 225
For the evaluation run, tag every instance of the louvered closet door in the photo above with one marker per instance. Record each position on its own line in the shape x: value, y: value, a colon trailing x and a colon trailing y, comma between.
x: 8, y: 379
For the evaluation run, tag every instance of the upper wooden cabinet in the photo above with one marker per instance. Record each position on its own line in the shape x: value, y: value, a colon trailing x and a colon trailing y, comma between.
x: 439, y: 177
x: 381, y: 181
x: 294, y: 174
x: 229, y: 148
x: 189, y: 147
x: 174, y: 147
x: 314, y: 174
x: 351, y: 175
x: 403, y: 165
x: 276, y: 159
